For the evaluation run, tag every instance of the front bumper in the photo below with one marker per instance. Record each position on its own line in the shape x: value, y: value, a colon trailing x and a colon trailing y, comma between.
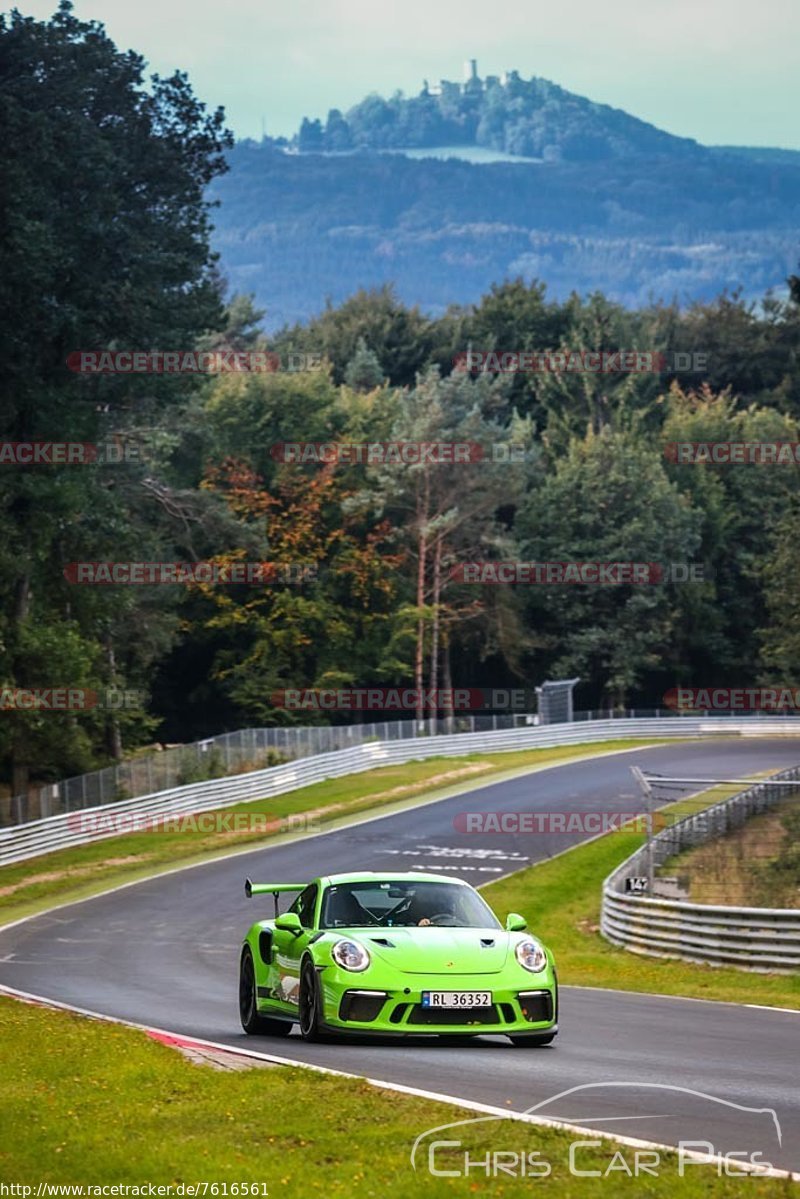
x: 525, y: 1007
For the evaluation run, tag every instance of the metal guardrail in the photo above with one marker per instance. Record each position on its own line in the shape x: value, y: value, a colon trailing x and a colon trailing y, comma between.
x: 72, y: 828
x: 249, y: 750
x: 224, y: 755
x: 762, y: 939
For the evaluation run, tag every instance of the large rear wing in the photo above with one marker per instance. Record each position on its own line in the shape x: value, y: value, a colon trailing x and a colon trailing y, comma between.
x: 273, y: 889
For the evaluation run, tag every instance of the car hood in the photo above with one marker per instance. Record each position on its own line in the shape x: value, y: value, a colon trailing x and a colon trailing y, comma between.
x: 432, y: 950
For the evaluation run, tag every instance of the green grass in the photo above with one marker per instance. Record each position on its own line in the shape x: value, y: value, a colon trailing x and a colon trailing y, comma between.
x: 113, y: 1107
x: 31, y: 886
x: 756, y: 865
x: 561, y: 899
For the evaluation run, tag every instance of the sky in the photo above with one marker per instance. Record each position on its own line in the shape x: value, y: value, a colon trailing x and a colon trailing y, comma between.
x: 722, y: 71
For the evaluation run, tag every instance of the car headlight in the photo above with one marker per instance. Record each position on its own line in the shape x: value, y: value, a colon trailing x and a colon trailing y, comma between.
x: 531, y: 955
x: 350, y: 956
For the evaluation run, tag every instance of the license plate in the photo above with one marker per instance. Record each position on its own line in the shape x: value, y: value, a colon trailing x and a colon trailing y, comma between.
x: 456, y: 999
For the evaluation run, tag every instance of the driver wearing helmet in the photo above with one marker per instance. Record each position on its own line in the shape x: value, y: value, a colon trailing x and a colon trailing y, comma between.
x: 443, y: 904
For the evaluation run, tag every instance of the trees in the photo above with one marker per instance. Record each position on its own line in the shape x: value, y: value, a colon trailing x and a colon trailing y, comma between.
x: 780, y: 578
x: 337, y: 135
x: 400, y: 337
x: 519, y: 115
x: 363, y: 371
x: 332, y: 628
x: 447, y: 513
x: 743, y: 508
x: 297, y: 228
x: 105, y: 244
x: 608, y: 499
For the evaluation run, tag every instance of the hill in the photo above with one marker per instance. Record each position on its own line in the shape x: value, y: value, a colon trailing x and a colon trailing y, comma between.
x: 465, y: 184
x: 296, y: 229
x: 533, y: 118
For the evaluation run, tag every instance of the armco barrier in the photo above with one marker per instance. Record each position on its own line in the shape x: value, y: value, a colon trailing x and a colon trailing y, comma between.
x: 245, y: 750
x: 765, y: 939
x: 237, y: 752
x: 57, y: 832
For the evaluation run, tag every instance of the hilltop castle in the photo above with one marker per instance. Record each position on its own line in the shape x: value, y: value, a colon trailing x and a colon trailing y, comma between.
x: 472, y: 83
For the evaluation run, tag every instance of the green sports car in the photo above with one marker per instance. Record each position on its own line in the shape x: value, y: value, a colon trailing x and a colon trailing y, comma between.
x: 394, y: 953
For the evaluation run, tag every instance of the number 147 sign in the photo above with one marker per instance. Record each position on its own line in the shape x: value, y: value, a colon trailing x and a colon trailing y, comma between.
x: 637, y: 883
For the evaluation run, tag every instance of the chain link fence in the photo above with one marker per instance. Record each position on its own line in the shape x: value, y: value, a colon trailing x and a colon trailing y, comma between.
x: 766, y: 939
x: 227, y: 754
x: 27, y: 840
x: 255, y: 749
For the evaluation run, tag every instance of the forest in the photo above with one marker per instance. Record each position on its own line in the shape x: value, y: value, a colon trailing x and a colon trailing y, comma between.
x: 299, y: 229
x: 576, y: 465
x: 532, y: 118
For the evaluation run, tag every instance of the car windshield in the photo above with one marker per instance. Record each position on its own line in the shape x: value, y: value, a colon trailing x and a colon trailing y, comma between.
x: 404, y: 903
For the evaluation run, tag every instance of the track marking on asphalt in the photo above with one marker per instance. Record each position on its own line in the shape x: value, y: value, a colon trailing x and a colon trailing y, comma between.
x: 425, y: 854
x: 52, y: 913
x: 761, y: 1007
x: 456, y: 851
x: 367, y: 818
x: 462, y: 869
x: 399, y: 1088
x: 764, y: 1007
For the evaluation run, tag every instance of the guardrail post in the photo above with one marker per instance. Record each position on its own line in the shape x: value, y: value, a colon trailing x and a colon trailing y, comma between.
x: 765, y: 939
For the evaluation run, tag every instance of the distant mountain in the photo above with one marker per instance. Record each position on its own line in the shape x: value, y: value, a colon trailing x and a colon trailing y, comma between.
x: 759, y: 153
x: 556, y: 188
x: 533, y: 118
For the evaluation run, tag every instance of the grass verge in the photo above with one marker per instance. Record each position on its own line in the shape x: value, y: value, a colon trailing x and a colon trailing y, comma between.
x: 114, y: 1107
x: 757, y: 865
x: 561, y: 898
x: 68, y: 874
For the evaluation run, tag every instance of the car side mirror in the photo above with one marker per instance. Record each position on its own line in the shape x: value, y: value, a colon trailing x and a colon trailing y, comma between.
x: 290, y: 923
x: 515, y: 923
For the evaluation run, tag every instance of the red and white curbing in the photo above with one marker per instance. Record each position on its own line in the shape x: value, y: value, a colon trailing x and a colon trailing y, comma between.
x: 197, y: 1044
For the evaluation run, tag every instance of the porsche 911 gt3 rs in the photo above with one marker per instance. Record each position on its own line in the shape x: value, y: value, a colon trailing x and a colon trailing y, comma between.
x: 394, y: 954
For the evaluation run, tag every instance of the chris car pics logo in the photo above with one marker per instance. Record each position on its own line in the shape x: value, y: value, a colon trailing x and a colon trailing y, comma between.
x: 499, y: 1146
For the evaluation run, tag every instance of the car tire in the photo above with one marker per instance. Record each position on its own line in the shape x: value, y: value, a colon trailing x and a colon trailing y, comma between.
x: 252, y: 1022
x: 528, y: 1042
x: 310, y: 1003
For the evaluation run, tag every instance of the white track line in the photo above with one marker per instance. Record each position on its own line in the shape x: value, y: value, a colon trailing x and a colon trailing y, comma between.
x: 469, y: 1105
x: 367, y: 818
x: 400, y: 1088
x: 760, y: 1007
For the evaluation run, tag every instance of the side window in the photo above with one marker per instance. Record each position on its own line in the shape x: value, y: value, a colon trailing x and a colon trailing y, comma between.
x: 304, y: 906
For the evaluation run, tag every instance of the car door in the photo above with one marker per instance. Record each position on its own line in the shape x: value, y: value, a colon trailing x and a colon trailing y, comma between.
x: 289, y: 947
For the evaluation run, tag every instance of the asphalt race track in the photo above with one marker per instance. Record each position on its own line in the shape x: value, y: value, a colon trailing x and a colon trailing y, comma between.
x: 165, y: 953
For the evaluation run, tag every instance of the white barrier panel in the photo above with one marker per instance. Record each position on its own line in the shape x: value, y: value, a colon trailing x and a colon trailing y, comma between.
x: 58, y: 832
x: 763, y: 939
